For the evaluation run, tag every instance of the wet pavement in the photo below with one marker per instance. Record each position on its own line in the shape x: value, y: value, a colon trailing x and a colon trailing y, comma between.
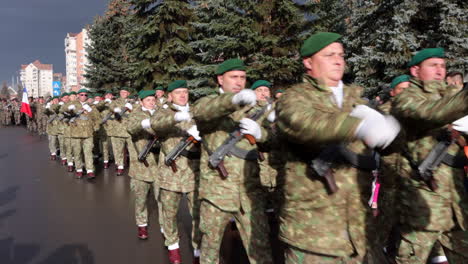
x: 47, y: 216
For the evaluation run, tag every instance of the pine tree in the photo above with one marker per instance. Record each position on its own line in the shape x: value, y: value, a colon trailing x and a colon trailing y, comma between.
x: 161, y: 38
x: 108, y: 53
x: 383, y: 36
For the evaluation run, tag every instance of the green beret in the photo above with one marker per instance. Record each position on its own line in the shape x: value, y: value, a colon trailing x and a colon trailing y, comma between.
x: 259, y: 83
x: 160, y: 88
x: 97, y: 94
x: 399, y: 79
x: 64, y: 94
x: 83, y: 91
x: 318, y: 41
x: 107, y: 92
x: 426, y: 54
x: 230, y: 65
x: 279, y: 91
x: 145, y: 93
x: 72, y: 92
x: 176, y: 84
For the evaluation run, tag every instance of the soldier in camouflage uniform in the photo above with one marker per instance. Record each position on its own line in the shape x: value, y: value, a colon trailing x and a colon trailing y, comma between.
x: 239, y: 196
x: 143, y: 177
x: 428, y: 214
x: 40, y: 117
x: 67, y: 133
x: 317, y: 223
x: 51, y: 111
x: 117, y: 127
x: 82, y: 131
x: 101, y: 139
x: 161, y: 100
x: 64, y: 98
x: 17, y: 111
x: 175, y: 185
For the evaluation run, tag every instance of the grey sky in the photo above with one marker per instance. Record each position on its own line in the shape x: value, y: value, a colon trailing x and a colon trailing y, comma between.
x: 36, y: 29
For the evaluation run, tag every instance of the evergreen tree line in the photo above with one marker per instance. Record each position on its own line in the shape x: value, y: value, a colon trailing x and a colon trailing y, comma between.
x: 143, y: 44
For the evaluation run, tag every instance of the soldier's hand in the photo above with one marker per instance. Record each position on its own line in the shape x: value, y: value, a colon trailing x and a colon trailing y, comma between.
x: 47, y: 105
x: 71, y: 107
x: 193, y: 131
x: 108, y: 100
x: 250, y: 127
x: 378, y: 132
x: 245, y: 97
x: 129, y: 106
x: 146, y: 123
x: 182, y: 116
x: 117, y: 110
x: 461, y: 125
x: 61, y: 103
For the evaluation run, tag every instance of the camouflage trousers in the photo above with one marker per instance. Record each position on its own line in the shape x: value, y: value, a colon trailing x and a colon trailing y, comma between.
x: 416, y: 246
x: 295, y: 255
x: 141, y: 190
x: 170, y: 206
x: 17, y: 117
x: 68, y: 150
x: 104, y: 147
x: 253, y: 228
x: 118, y: 148
x: 61, y: 144
x: 53, y: 141
x: 83, y: 147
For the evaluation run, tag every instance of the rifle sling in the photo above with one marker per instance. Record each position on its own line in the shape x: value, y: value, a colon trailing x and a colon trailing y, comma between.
x: 455, y: 161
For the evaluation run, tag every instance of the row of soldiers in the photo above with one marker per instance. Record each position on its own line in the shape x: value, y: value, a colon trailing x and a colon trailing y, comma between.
x: 10, y: 112
x: 349, y: 183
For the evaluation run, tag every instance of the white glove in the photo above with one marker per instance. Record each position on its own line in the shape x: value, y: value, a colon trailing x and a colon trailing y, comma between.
x: 182, y: 116
x: 71, y: 107
x: 47, y: 105
x: 95, y: 102
x: 461, y: 125
x: 250, y: 127
x: 87, y: 108
x: 61, y: 103
x: 271, y: 117
x: 365, y: 112
x: 129, y: 106
x: 245, y: 97
x: 117, y: 110
x: 145, y: 123
x: 378, y: 132
x: 108, y: 100
x: 193, y: 131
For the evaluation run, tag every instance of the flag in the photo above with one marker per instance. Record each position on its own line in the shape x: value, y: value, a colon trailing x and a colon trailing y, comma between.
x: 25, y: 108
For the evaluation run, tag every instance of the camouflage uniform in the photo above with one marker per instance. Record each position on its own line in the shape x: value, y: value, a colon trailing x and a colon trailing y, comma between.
x: 17, y: 113
x: 313, y: 222
x: 102, y: 138
x: 67, y: 135
x: 175, y: 185
x: 426, y: 216
x: 52, y: 127
x: 117, y: 131
x: 142, y: 178
x: 240, y: 195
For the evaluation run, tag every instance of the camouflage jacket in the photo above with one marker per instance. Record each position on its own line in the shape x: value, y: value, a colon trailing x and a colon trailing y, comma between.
x: 114, y: 127
x: 85, y: 125
x: 170, y: 133
x: 52, y: 114
x: 216, y: 117
x: 140, y: 138
x: 424, y: 110
x: 308, y: 120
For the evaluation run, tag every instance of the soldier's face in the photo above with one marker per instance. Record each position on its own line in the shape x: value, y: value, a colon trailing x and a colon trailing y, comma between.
x: 98, y: 98
x: 262, y: 93
x: 159, y: 94
x: 108, y: 96
x: 66, y: 99
x: 179, y: 96
x: 124, y: 94
x: 83, y: 97
x: 278, y: 95
x: 399, y: 88
x: 455, y: 81
x: 73, y: 97
x: 327, y: 65
x: 232, y: 81
x: 55, y: 101
x: 433, y: 69
x: 149, y: 102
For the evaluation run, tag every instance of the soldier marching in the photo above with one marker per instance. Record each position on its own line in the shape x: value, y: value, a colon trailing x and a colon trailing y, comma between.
x: 347, y: 181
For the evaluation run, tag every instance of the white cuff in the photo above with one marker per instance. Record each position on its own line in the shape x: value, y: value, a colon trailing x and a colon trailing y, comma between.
x: 173, y: 246
x: 439, y: 259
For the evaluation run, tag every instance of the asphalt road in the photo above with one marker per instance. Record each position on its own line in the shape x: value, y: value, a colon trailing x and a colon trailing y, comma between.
x: 47, y: 216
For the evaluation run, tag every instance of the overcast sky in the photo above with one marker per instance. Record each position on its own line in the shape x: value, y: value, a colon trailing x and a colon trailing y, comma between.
x: 36, y: 29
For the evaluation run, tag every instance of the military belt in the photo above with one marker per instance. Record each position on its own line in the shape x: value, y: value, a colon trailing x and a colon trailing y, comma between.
x: 455, y: 161
x: 191, y: 155
x: 363, y: 162
x: 244, y: 154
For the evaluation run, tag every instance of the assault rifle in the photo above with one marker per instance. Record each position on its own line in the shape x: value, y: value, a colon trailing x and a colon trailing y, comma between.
x: 146, y: 150
x: 217, y: 157
x: 323, y: 163
x: 78, y: 114
x: 172, y: 156
x: 52, y: 118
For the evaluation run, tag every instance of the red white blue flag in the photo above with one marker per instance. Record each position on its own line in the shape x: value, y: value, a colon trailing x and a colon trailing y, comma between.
x: 25, y: 108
